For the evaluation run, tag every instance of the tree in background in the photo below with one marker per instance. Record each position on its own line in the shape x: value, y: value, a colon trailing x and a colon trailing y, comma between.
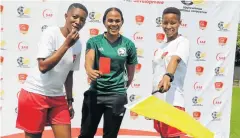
x: 238, y: 36
x: 237, y: 55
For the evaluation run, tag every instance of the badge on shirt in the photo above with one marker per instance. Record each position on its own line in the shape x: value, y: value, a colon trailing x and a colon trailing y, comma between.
x: 122, y: 51
x: 164, y: 55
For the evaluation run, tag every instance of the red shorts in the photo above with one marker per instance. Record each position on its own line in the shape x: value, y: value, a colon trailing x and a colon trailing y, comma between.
x: 35, y: 111
x: 168, y: 131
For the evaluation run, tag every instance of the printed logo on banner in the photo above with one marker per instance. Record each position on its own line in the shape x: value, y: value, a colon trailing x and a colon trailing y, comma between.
x: 1, y: 60
x: 134, y: 97
x: 183, y: 25
x: 2, y: 29
x: 218, y: 85
x: 216, y: 116
x: 196, y: 115
x: 199, y: 70
x: 44, y: 27
x: 219, y: 71
x: 47, y: 13
x: 23, y: 62
x: 159, y: 21
x: 222, y: 41
x: 135, y: 84
x: 197, y: 101
x: 200, y: 56
x: 23, y: 12
x: 139, y: 19
x: 223, y: 26
x: 203, y: 24
x: 2, y: 45
x: 201, y: 40
x: 1, y: 9
x: 217, y: 101
x: 94, y: 17
x: 1, y: 94
x: 23, y: 46
x: 193, y: 6
x: 198, y: 86
x: 133, y: 115
x: 140, y: 52
x: 23, y: 28
x: 146, y: 1
x: 192, y: 2
x: 22, y: 77
x: 138, y: 36
x: 93, y: 32
x: 220, y: 57
x: 138, y: 68
x: 160, y: 37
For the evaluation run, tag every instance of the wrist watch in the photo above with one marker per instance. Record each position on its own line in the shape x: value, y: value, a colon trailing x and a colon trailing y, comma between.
x: 170, y: 75
x: 70, y: 100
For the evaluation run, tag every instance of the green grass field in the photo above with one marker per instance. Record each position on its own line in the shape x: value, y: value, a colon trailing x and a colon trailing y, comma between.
x: 235, y: 118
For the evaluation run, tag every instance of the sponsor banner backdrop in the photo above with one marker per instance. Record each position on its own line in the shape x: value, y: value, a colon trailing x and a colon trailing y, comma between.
x: 211, y: 27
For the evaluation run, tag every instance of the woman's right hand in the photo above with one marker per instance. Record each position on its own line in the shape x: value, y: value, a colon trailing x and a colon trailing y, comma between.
x: 72, y: 37
x: 93, y: 74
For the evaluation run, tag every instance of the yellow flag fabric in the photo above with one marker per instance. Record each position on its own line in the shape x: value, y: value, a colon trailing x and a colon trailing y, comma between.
x: 155, y: 108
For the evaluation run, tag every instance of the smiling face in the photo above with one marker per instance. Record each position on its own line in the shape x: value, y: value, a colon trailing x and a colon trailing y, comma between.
x: 75, y: 18
x: 170, y: 24
x: 113, y: 22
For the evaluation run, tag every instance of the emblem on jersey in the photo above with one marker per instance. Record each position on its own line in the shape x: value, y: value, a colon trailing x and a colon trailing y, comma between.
x: 74, y: 58
x: 164, y: 55
x: 122, y: 51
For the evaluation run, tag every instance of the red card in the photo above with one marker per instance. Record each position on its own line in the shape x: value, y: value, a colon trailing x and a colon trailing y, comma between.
x: 104, y: 65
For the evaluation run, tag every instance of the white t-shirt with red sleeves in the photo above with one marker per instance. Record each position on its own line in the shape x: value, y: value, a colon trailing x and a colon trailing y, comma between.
x: 52, y: 82
x: 179, y: 47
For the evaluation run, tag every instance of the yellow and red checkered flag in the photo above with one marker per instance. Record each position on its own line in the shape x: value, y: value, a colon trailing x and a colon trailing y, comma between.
x: 155, y: 108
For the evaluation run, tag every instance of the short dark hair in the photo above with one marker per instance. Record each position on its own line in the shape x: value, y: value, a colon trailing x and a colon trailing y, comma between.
x: 77, y: 5
x: 112, y: 9
x: 172, y: 10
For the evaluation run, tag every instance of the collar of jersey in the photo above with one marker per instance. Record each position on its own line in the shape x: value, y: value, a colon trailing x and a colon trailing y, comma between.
x: 119, y: 37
